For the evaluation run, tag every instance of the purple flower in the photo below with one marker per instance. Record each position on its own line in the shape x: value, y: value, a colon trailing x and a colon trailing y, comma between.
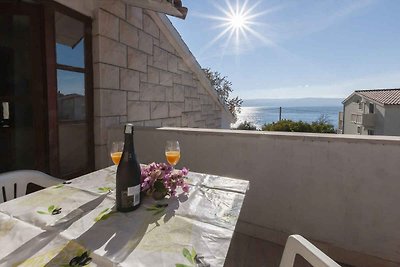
x: 171, y: 179
x: 185, y: 188
x: 184, y: 171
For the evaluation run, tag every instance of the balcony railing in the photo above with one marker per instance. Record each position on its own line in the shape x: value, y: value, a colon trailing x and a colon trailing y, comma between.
x: 369, y: 120
x: 328, y: 188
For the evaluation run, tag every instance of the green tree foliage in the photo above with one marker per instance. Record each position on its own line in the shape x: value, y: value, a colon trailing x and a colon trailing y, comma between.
x: 321, y: 125
x: 224, y: 89
x: 246, y: 125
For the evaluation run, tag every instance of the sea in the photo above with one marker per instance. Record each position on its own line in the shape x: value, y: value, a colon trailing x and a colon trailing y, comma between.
x: 260, y: 115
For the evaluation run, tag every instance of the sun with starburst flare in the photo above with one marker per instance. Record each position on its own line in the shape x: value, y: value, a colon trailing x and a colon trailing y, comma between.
x: 238, y: 22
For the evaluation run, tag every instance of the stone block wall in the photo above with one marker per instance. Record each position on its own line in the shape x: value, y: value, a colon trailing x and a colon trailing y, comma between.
x: 140, y: 78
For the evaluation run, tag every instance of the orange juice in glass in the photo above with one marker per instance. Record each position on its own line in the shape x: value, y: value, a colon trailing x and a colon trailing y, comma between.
x: 116, y: 152
x: 172, y: 152
x: 116, y: 157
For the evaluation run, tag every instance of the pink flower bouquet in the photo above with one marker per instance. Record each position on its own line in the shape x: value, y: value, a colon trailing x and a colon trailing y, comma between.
x: 160, y: 179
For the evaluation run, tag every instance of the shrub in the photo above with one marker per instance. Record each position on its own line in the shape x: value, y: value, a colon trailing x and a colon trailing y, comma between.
x: 319, y: 126
x: 246, y: 125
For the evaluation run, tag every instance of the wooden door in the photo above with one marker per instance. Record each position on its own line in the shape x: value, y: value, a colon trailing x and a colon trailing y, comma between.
x: 23, y: 111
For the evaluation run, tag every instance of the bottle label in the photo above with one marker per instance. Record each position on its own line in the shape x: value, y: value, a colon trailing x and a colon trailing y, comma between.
x: 135, y: 192
x: 126, y: 200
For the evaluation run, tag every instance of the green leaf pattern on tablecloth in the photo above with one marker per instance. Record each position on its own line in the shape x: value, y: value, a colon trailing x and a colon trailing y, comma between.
x: 105, y: 189
x: 51, y: 210
x: 193, y: 258
x: 157, y: 208
x: 105, y: 214
x: 59, y: 256
x: 79, y: 260
x: 188, y: 255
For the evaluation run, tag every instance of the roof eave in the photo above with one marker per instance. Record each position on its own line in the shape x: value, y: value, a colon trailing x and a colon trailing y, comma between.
x: 162, y: 6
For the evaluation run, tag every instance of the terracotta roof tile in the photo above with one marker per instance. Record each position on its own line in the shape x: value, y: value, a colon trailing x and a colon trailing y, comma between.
x: 383, y: 96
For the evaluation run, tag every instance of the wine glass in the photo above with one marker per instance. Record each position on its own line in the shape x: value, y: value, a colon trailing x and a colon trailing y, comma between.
x: 116, y: 151
x: 172, y: 152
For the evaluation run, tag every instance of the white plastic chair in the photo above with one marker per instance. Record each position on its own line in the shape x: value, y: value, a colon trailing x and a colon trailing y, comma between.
x: 297, y: 244
x: 13, y: 184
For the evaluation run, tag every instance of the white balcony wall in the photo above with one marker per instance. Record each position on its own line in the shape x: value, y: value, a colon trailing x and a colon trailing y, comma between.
x: 339, y: 190
x: 369, y: 120
x: 392, y: 120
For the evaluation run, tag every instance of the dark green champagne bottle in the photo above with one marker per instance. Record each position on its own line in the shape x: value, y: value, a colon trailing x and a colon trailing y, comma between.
x: 128, y: 175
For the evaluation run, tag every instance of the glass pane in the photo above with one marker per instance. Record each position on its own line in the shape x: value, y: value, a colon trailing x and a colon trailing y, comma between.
x: 15, y: 55
x: 70, y: 41
x: 73, y: 147
x: 71, y: 56
x: 71, y: 96
x: 17, y: 134
x: 72, y: 126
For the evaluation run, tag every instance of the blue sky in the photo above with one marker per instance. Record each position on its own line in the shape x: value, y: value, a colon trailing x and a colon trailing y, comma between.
x: 302, y: 48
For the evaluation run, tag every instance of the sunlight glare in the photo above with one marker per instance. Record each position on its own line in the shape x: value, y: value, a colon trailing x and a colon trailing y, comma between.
x: 237, y: 22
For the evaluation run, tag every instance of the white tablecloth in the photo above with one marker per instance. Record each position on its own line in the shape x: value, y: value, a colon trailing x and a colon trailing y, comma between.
x: 200, y: 223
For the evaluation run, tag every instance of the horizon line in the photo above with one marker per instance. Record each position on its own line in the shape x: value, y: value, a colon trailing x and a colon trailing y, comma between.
x: 279, y: 98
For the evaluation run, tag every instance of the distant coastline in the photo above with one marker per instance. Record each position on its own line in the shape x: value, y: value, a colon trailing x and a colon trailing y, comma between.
x: 293, y: 102
x: 261, y: 111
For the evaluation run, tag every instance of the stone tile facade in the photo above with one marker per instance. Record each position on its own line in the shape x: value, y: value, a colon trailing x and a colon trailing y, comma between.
x: 139, y: 77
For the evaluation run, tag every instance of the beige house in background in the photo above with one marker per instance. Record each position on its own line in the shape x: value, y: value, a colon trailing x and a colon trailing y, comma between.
x: 372, y: 112
x: 73, y: 69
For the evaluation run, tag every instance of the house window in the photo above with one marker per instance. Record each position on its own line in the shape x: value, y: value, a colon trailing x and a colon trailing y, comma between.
x: 371, y: 132
x: 356, y: 118
x: 360, y: 105
x: 359, y: 129
x: 371, y: 108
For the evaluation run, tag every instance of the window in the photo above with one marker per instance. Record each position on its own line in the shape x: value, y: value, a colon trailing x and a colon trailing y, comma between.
x: 74, y: 122
x: 356, y: 118
x: 370, y: 132
x: 371, y: 108
x: 359, y: 129
x: 359, y: 118
x: 360, y: 105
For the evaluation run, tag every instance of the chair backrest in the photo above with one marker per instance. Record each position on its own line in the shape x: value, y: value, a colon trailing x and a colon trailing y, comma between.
x: 13, y: 184
x: 296, y: 244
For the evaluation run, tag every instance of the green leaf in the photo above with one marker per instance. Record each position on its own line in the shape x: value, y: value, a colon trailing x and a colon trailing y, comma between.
x: 103, y: 215
x: 106, y: 216
x: 104, y: 189
x: 59, y: 186
x: 104, y: 211
x: 181, y: 265
x: 187, y: 255
x: 51, y: 208
x: 194, y: 254
x: 41, y: 212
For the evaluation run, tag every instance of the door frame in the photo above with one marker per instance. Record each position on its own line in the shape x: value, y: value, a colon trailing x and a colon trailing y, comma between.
x: 49, y: 9
x: 42, y: 13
